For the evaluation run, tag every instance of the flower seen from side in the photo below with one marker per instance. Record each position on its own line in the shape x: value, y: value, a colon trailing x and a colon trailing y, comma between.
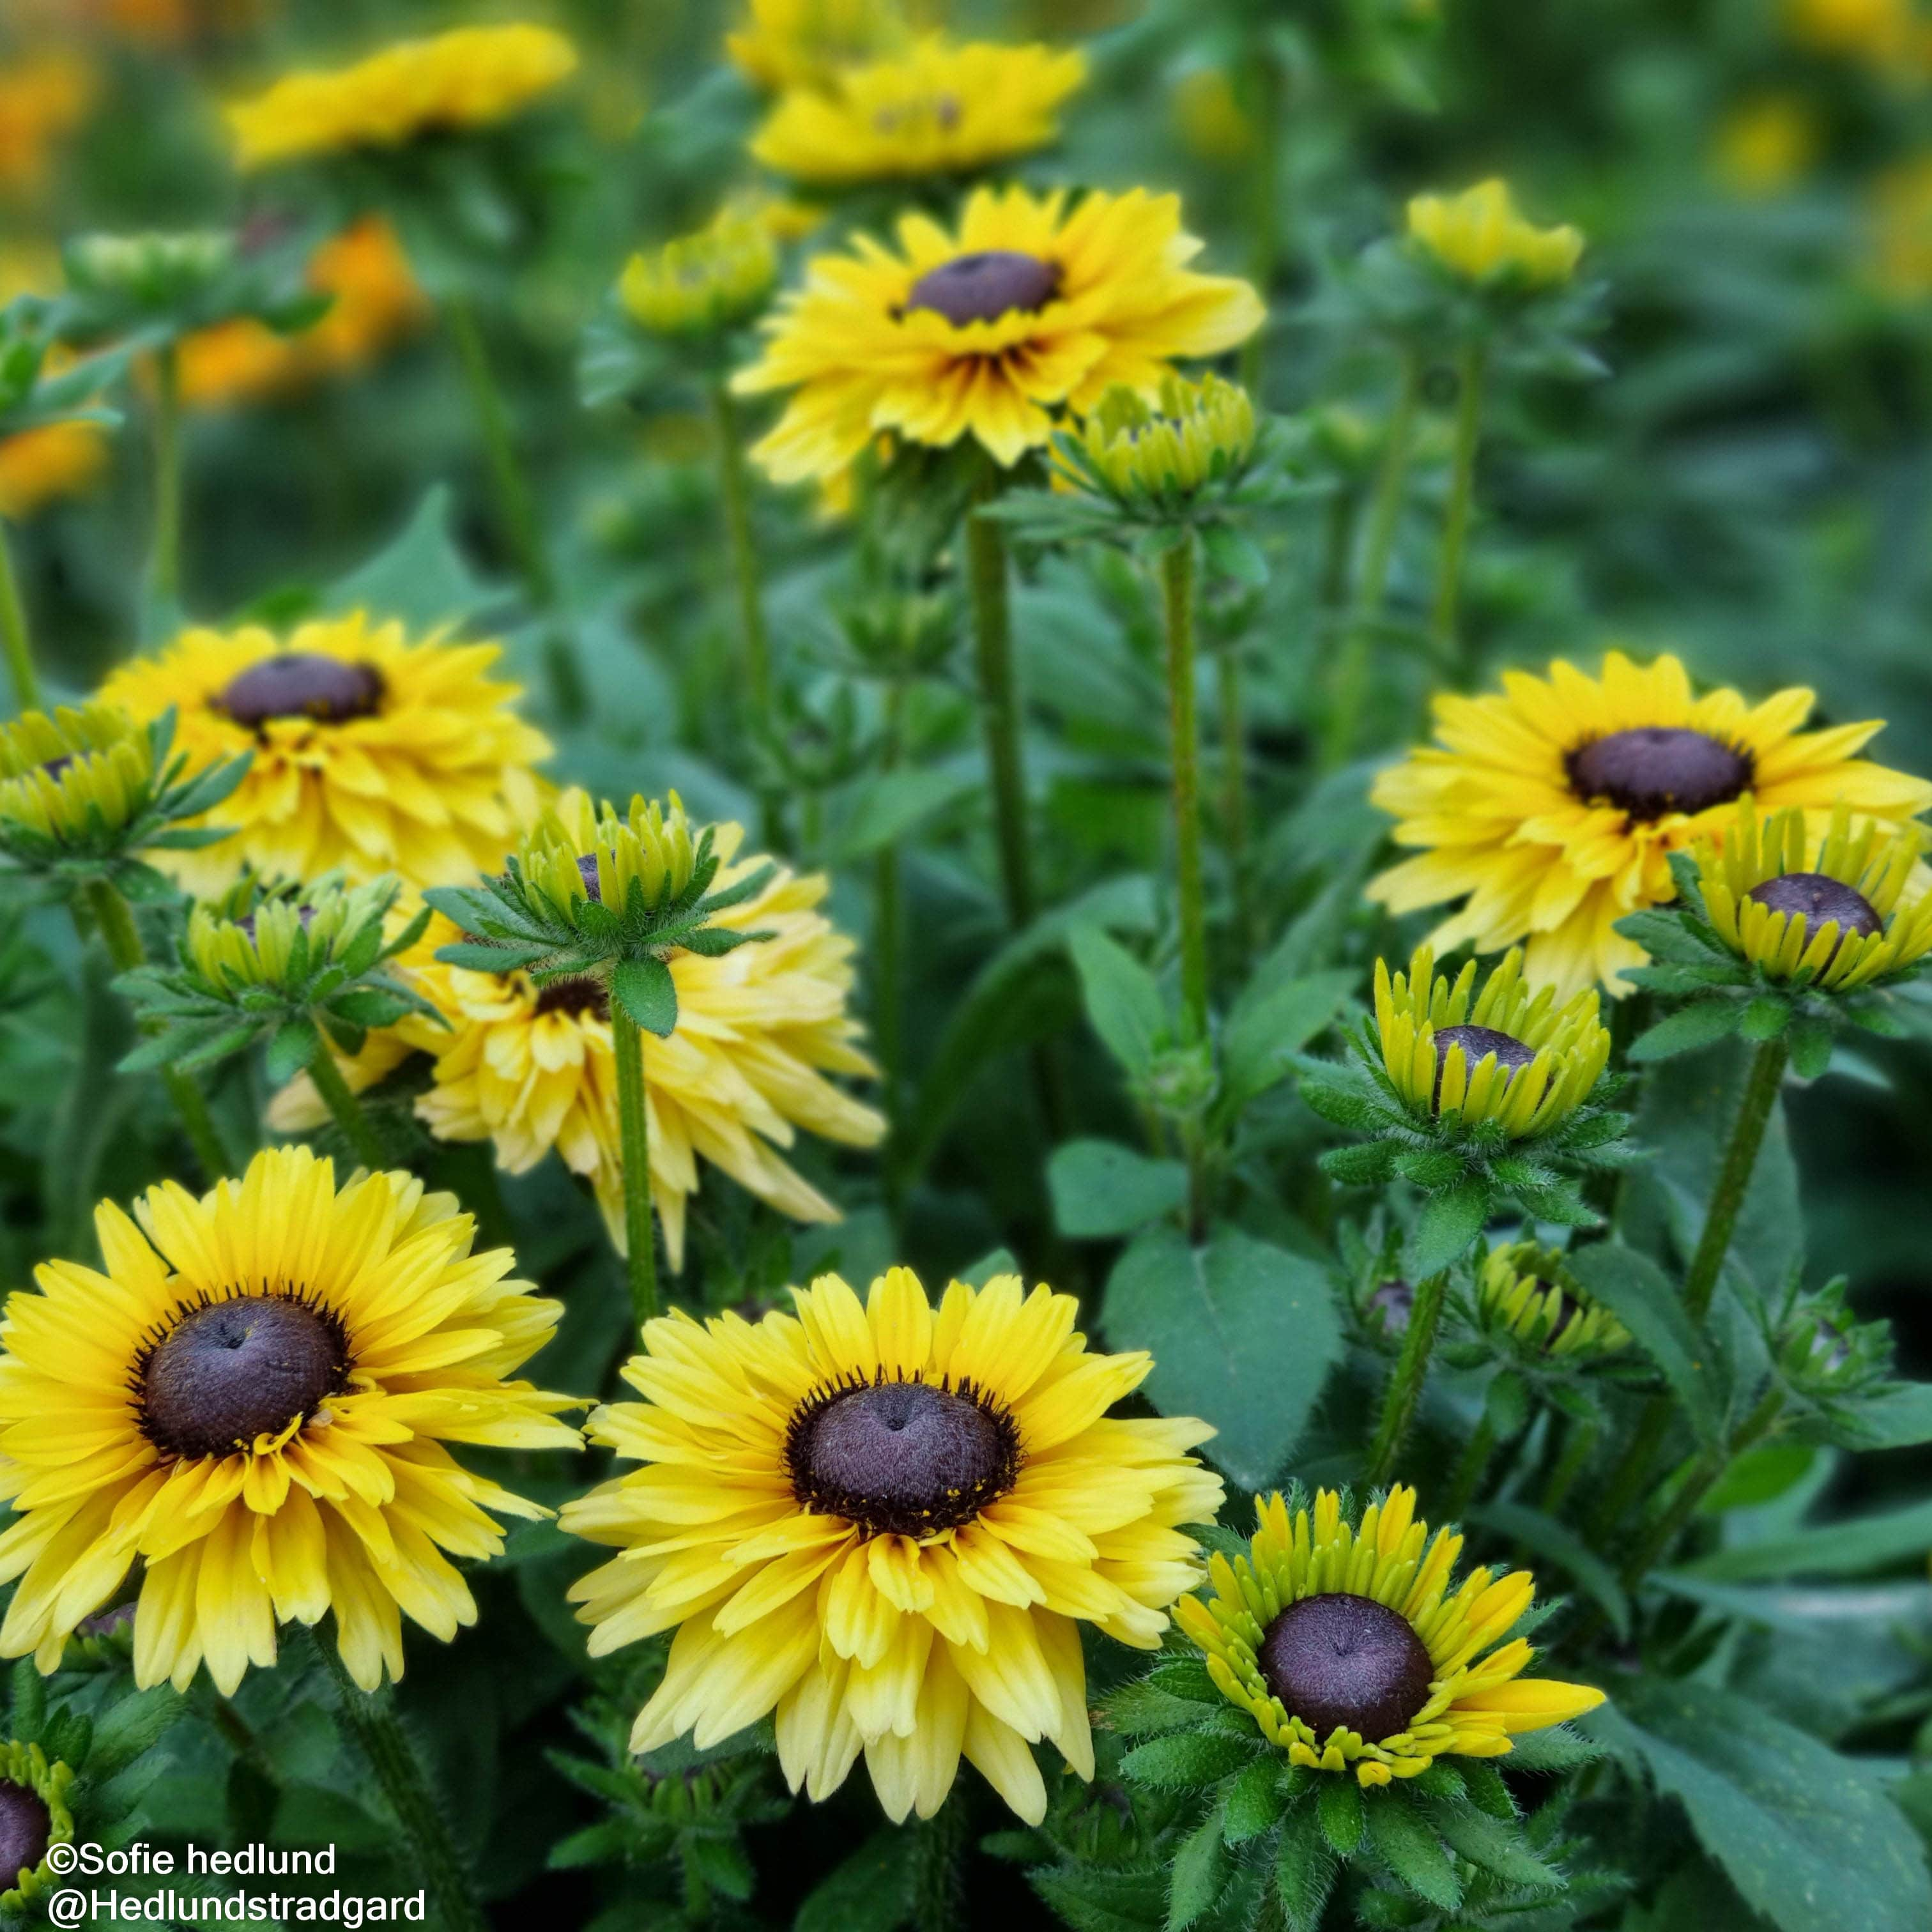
x: 1161, y: 454
x: 1478, y: 236
x: 34, y: 1816
x: 1527, y: 1292
x: 702, y: 283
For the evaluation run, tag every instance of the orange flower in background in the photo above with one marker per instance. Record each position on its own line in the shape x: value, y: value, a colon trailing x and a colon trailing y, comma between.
x: 39, y: 466
x: 42, y: 98
x: 376, y: 301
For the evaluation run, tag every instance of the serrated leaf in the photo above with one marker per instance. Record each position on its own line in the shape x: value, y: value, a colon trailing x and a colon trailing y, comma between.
x: 1410, y: 1848
x: 1687, y: 1030
x: 646, y: 991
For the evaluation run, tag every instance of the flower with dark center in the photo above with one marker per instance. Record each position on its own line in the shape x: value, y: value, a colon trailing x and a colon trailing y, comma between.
x: 1477, y: 1042
x: 1346, y: 1662
x: 1820, y: 900
x: 55, y: 767
x: 233, y: 1370
x: 983, y: 286
x: 302, y: 684
x: 576, y: 995
x: 1657, y: 769
x: 1394, y: 1301
x: 900, y: 1458
x: 25, y: 1823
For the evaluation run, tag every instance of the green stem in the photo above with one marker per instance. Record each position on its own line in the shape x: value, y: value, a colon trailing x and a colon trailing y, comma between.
x: 1349, y: 694
x: 888, y: 926
x: 734, y: 486
x: 164, y: 569
x: 1734, y: 1177
x: 1697, y: 1485
x: 999, y: 701
x: 14, y: 635
x: 1471, y: 367
x: 634, y: 1128
x: 1469, y: 1468
x: 515, y: 506
x: 372, y: 1722
x: 1405, y: 1387
x: 1234, y: 801
x: 939, y: 1869
x: 350, y: 1118
x: 1578, y: 1447
x: 115, y: 918
x: 1177, y: 573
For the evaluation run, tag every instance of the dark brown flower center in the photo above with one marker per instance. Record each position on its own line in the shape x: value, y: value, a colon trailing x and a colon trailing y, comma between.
x: 984, y: 287
x: 230, y: 1371
x: 24, y: 1822
x: 901, y: 1459
x: 108, y: 1622
x: 586, y: 869
x: 55, y: 767
x: 574, y: 995
x: 1656, y: 769
x: 302, y: 684
x: 1823, y: 900
x: 1478, y: 1043
x: 1345, y: 1661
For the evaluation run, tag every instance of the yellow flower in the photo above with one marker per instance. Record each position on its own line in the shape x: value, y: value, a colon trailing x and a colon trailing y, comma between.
x: 1885, y: 32
x: 1823, y: 911
x: 251, y: 1400
x: 373, y: 753
x: 1033, y: 307
x: 801, y: 43
x: 468, y: 78
x: 1899, y: 221
x: 74, y: 775
x: 1200, y: 433
x: 1344, y: 1646
x: 885, y: 1523
x: 375, y: 301
x: 1506, y: 1055
x: 1478, y: 235
x: 703, y: 283
x: 42, y: 98
x: 758, y: 1032
x: 36, y: 1818
x: 1766, y: 143
x: 39, y: 466
x: 1210, y: 117
x: 1527, y: 1292
x: 1553, y: 808
x: 938, y: 109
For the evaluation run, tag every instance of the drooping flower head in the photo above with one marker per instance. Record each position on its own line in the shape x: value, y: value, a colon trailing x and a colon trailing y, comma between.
x: 1478, y: 236
x: 1527, y: 1292
x: 938, y: 108
x: 803, y: 43
x: 459, y: 82
x: 1551, y: 809
x: 884, y: 1521
x: 1506, y: 1055
x: 373, y: 752
x: 34, y: 1817
x: 265, y: 1379
x: 1345, y: 1644
x: 702, y: 283
x: 1032, y: 307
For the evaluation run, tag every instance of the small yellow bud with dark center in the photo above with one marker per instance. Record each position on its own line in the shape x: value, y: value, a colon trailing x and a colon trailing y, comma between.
x: 702, y: 283
x: 256, y: 949
x: 73, y: 775
x: 1200, y: 433
x: 1527, y: 1292
x: 581, y: 850
x: 1479, y: 236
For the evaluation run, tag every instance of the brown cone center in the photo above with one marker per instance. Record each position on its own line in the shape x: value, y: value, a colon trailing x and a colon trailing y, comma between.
x: 901, y: 1459
x: 24, y: 1822
x: 1340, y: 1661
x: 984, y: 287
x: 302, y: 684
x: 574, y: 995
x: 1656, y: 769
x: 1478, y: 1043
x: 233, y: 1370
x: 1823, y: 900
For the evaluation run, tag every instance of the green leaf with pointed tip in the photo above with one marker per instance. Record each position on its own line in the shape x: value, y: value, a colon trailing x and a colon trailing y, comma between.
x: 1304, y: 1869
x: 1686, y: 1031
x: 646, y: 991
x: 1367, y: 1165
x: 1490, y: 1843
x: 1410, y: 1848
x: 490, y: 956
x: 1189, y: 1761
x: 1765, y: 1018
x: 1449, y: 1222
x: 1200, y: 1871
x: 1643, y: 1297
x: 1122, y: 998
x: 1254, y: 1801
x: 1338, y: 1803
x: 296, y: 1043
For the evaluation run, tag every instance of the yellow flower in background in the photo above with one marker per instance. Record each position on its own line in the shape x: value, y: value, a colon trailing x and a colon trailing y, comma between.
x: 1828, y: 911
x: 706, y: 282
x: 1345, y: 1645
x: 938, y: 109
x: 1479, y: 235
x: 250, y: 1400
x: 884, y: 1522
x: 1527, y: 1292
x: 43, y: 97
x: 467, y: 78
x: 1899, y: 219
x: 801, y: 43
x: 1506, y: 1055
x: 1886, y: 33
x: 1032, y: 307
x: 1551, y: 809
x: 39, y: 466
x: 760, y: 1033
x: 375, y: 301
x: 1210, y: 117
x: 373, y: 752
x: 1765, y: 144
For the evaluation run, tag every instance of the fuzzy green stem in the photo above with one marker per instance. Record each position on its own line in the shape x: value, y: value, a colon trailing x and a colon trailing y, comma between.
x: 634, y: 1129
x: 164, y: 568
x: 1579, y: 1445
x: 1177, y: 573
x: 1404, y: 1386
x: 13, y: 634
x: 516, y: 506
x: 1734, y: 1177
x: 999, y: 702
x: 939, y: 1869
x: 734, y: 486
x: 350, y: 1118
x: 1471, y: 366
x: 115, y: 918
x: 1469, y: 1467
x: 1697, y: 1484
x: 1349, y: 694
x: 1234, y: 802
x: 372, y: 1722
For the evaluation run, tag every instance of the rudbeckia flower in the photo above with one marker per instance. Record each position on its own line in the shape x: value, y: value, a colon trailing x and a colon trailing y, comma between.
x: 1345, y: 1645
x: 1551, y: 809
x: 803, y: 43
x: 373, y: 752
x: 1032, y: 307
x: 34, y: 1817
x: 1478, y: 236
x: 250, y: 1399
x: 1527, y: 1292
x: 884, y: 1522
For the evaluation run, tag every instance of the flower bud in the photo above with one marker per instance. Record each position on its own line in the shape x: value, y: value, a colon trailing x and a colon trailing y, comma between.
x: 1479, y: 237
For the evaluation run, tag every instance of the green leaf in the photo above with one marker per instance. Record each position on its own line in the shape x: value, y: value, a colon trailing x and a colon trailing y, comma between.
x: 1764, y: 1018
x: 1844, y: 1548
x: 1304, y: 1868
x: 1089, y: 1899
x: 1496, y: 1846
x: 1267, y: 1028
x: 1338, y: 1803
x: 132, y: 1725
x: 871, y: 1892
x: 421, y: 577
x: 1640, y: 1295
x: 492, y: 955
x: 1188, y: 1762
x: 1254, y: 1801
x: 1231, y: 552
x: 1200, y: 1871
x: 1759, y: 1476
x: 1687, y: 1030
x: 1100, y: 1188
x: 1564, y: 1548
x: 1809, y: 1838
x: 1243, y: 1334
x: 1365, y: 1166
x: 1810, y: 1046
x: 295, y: 1044
x: 28, y: 1715
x: 1484, y: 1785
x: 646, y: 991
x: 1557, y: 1749
x: 1122, y: 999
x: 1899, y: 1416
x: 1411, y: 1850
x: 1449, y: 1222
x: 886, y: 807
x: 1145, y: 1710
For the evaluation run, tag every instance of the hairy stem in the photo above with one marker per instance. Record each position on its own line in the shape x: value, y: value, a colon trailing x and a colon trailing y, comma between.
x: 634, y: 1128
x: 1734, y: 1176
x: 1470, y: 369
x: 939, y: 1868
x: 999, y: 702
x: 14, y: 634
x: 350, y: 1117
x: 1184, y: 756
x: 1404, y: 1386
x: 516, y: 506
